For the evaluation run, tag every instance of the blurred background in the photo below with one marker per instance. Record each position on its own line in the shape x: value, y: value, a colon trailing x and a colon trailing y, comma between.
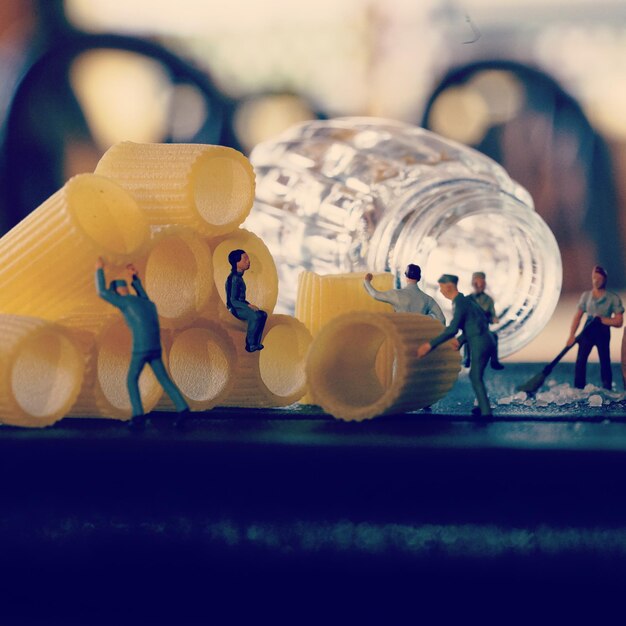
x: 538, y: 85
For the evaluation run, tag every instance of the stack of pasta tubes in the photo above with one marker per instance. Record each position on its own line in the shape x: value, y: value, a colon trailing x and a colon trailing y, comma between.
x: 174, y: 211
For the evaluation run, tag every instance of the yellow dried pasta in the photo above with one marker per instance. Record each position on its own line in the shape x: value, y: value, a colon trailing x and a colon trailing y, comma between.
x: 341, y: 366
x: 178, y: 275
x: 47, y: 260
x: 274, y: 376
x: 202, y: 360
x: 209, y: 188
x: 321, y: 298
x: 107, y: 348
x: 41, y: 371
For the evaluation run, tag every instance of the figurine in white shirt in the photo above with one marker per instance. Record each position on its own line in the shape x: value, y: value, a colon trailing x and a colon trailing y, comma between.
x: 409, y: 299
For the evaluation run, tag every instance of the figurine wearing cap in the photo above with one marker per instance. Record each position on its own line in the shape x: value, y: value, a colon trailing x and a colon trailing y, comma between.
x: 606, y: 309
x: 486, y: 303
x: 470, y: 319
x: 409, y: 299
x: 141, y: 317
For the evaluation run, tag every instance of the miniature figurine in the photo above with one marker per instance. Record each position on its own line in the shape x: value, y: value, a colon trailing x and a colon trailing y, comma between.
x: 605, y: 307
x: 141, y: 317
x: 486, y: 303
x: 237, y: 304
x: 469, y: 318
x: 409, y: 299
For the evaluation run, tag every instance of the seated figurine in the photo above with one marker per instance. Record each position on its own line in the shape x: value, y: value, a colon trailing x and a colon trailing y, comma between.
x: 237, y: 304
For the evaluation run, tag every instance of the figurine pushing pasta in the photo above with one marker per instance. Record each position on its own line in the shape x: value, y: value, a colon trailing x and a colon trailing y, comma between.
x: 469, y: 318
x: 141, y: 317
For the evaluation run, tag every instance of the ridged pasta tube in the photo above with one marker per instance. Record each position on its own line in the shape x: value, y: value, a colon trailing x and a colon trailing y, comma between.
x: 274, y: 376
x: 178, y: 276
x: 107, y: 351
x: 47, y: 260
x: 202, y: 360
x: 321, y: 298
x: 341, y: 366
x: 209, y: 188
x: 41, y: 371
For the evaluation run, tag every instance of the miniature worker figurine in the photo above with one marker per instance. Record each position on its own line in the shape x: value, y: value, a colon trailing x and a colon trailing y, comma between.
x: 409, y: 299
x: 469, y: 318
x: 237, y: 304
x: 486, y: 303
x: 141, y: 317
x: 605, y: 307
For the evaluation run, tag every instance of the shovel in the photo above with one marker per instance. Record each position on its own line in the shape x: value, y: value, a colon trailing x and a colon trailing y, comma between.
x: 530, y: 386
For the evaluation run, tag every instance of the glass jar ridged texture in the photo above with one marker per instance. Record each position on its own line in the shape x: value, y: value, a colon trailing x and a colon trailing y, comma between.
x: 366, y: 194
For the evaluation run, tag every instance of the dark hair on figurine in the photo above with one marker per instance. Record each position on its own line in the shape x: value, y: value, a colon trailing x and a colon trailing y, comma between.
x: 234, y: 257
x: 114, y: 284
x: 414, y: 272
x: 600, y: 270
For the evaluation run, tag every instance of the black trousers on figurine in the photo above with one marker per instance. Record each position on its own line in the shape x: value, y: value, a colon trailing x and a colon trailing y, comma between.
x: 598, y: 335
x: 256, y: 323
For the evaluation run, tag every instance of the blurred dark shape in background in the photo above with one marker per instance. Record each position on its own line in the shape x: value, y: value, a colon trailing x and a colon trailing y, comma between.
x: 46, y: 138
x: 546, y: 143
x: 66, y: 95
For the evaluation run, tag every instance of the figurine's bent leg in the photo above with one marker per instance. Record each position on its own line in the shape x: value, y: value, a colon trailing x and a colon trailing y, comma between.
x: 481, y: 351
x: 603, y: 339
x: 466, y: 355
x: 256, y: 323
x: 580, y: 370
x: 137, y: 363
x: 168, y: 385
x: 495, y: 361
x: 259, y: 324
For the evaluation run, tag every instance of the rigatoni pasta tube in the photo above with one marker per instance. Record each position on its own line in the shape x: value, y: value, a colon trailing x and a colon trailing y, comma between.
x: 209, y: 188
x: 178, y: 276
x: 274, y: 376
x: 202, y: 360
x: 104, y: 393
x: 261, y: 279
x: 47, y: 260
x: 322, y: 298
x: 41, y: 371
x: 341, y: 365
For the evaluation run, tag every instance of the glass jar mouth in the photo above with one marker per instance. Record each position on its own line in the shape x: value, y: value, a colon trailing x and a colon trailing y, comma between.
x: 465, y: 226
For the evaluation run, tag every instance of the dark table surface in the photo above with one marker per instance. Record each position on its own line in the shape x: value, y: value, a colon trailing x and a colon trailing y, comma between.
x: 285, y: 500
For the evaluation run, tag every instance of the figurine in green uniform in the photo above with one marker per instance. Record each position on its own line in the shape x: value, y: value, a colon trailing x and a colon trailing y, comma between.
x: 486, y: 303
x: 470, y: 319
x: 141, y: 317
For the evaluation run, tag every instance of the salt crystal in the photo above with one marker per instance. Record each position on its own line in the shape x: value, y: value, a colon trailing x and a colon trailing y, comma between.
x: 595, y: 400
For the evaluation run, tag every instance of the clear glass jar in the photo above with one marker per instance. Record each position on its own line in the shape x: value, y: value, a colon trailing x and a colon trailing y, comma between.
x: 367, y: 194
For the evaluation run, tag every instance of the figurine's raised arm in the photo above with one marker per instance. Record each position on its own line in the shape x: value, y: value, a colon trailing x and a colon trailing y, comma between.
x: 110, y: 295
x: 136, y: 282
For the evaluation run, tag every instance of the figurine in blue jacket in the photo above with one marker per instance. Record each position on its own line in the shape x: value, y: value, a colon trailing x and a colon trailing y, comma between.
x: 141, y: 317
x: 237, y: 304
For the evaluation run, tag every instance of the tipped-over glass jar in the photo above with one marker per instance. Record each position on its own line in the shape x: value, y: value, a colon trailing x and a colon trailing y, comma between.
x: 367, y: 194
